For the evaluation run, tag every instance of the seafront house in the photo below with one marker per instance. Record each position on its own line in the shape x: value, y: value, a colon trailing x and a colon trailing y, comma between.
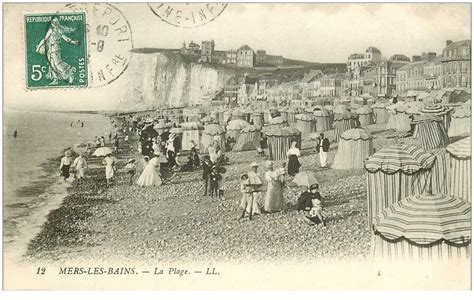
x: 456, y: 64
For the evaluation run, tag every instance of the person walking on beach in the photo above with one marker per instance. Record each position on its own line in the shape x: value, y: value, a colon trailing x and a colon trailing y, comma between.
x: 322, y: 147
x: 171, y: 151
x: 206, y: 171
x: 214, y: 179
x: 65, y: 165
x: 109, y: 162
x: 151, y: 173
x: 130, y: 167
x: 79, y: 166
x: 15, y: 133
x: 116, y: 144
x: 274, y: 197
x: 194, y: 154
x: 221, y: 171
x: 293, y: 163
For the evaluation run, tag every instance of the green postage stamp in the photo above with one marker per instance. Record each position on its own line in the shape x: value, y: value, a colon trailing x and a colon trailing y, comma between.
x: 56, y: 50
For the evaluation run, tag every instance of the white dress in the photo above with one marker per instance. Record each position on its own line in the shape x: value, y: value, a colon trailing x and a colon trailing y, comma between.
x: 109, y: 166
x: 150, y: 175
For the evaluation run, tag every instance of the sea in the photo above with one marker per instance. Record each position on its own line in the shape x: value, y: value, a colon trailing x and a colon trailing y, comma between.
x: 31, y: 183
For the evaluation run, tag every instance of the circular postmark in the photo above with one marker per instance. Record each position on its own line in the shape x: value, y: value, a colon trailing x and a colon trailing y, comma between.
x: 187, y: 15
x: 109, y: 41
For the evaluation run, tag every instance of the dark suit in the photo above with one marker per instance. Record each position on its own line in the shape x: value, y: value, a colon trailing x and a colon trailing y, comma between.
x: 325, y: 145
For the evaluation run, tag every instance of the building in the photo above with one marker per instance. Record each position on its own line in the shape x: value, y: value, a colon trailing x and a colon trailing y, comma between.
x: 371, y: 55
x: 311, y: 84
x: 248, y: 90
x: 245, y: 57
x: 262, y: 59
x: 379, y: 79
x: 231, y: 92
x: 207, y: 50
x: 219, y: 57
x: 424, y: 73
x: 456, y: 64
x: 193, y: 48
x: 331, y: 85
x: 231, y: 57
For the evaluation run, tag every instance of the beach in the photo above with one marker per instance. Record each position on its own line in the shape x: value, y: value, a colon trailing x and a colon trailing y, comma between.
x: 32, y: 187
x: 175, y: 223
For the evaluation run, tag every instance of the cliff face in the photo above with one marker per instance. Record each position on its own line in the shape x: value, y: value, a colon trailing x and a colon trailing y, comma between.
x: 165, y: 79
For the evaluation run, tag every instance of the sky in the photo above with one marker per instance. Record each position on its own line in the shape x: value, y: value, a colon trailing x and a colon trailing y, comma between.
x: 312, y: 32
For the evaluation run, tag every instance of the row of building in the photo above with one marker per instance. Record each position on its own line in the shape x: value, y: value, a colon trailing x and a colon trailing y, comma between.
x: 244, y: 57
x: 367, y: 74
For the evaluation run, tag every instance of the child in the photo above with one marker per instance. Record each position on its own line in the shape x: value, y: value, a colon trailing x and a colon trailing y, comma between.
x: 206, y: 171
x: 131, y: 169
x: 214, y: 179
x: 221, y: 171
x: 260, y: 151
x: 316, y: 211
x: 246, y: 196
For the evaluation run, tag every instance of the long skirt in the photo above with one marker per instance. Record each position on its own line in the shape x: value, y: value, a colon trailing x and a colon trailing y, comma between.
x: 274, y: 197
x: 293, y: 165
x: 65, y: 171
x: 149, y: 177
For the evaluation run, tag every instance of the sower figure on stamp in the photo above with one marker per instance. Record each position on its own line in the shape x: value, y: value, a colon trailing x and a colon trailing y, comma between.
x: 50, y: 45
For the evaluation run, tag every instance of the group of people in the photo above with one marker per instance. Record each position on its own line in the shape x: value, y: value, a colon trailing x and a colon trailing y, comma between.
x: 293, y: 154
x: 77, y: 167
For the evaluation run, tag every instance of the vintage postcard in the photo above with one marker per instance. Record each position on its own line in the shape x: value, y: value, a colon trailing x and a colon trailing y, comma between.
x: 236, y: 146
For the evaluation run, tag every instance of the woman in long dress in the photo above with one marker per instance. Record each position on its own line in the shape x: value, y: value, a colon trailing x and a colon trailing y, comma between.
x: 293, y: 162
x: 274, y: 197
x: 151, y: 173
x: 109, y: 162
x: 65, y: 165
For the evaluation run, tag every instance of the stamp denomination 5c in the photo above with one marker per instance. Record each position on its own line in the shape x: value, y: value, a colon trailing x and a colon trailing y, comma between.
x: 187, y: 15
x: 56, y: 50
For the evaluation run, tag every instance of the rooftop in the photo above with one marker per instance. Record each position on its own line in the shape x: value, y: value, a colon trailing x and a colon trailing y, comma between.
x: 245, y: 47
x: 373, y: 50
x: 458, y: 44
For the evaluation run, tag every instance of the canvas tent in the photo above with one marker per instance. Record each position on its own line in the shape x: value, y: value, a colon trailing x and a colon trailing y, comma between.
x: 460, y: 122
x: 394, y: 173
x: 398, y: 119
x: 192, y: 131
x: 366, y: 116
x: 460, y: 168
x: 439, y: 111
x: 306, y: 123
x: 249, y: 139
x: 431, y: 132
x: 280, y: 139
x: 257, y: 119
x: 343, y: 122
x: 211, y: 133
x: 323, y: 122
x: 354, y: 147
x: 277, y: 122
x: 234, y: 127
x: 423, y: 228
x: 380, y: 112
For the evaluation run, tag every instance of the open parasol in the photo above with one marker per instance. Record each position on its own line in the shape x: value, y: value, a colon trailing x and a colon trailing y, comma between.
x: 102, y: 151
x: 305, y: 178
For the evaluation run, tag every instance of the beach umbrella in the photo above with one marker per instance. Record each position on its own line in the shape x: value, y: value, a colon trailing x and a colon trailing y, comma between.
x: 394, y: 173
x: 103, y: 151
x: 305, y: 178
x: 423, y: 227
x: 460, y: 169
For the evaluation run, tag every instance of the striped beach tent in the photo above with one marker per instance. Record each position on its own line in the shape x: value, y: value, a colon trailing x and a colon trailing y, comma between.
x: 460, y: 121
x: 354, y: 147
x: 277, y: 122
x: 323, y: 121
x: 292, y: 112
x: 394, y: 173
x: 431, y: 132
x: 439, y: 111
x: 343, y: 122
x: 192, y: 131
x: 257, y: 119
x: 249, y: 139
x: 340, y: 109
x: 280, y: 139
x: 234, y: 128
x: 306, y: 123
x: 423, y: 228
x: 460, y: 168
x: 211, y: 133
x: 330, y: 110
x: 440, y: 172
x: 366, y: 116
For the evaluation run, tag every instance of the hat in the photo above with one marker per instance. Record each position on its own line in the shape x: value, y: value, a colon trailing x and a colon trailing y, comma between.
x: 314, y: 186
x: 131, y: 160
x: 214, y: 168
x: 244, y: 176
x: 254, y: 164
x: 68, y: 153
x: 269, y: 163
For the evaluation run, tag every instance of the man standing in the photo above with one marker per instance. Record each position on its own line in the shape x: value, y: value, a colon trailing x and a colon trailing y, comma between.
x: 322, y: 148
